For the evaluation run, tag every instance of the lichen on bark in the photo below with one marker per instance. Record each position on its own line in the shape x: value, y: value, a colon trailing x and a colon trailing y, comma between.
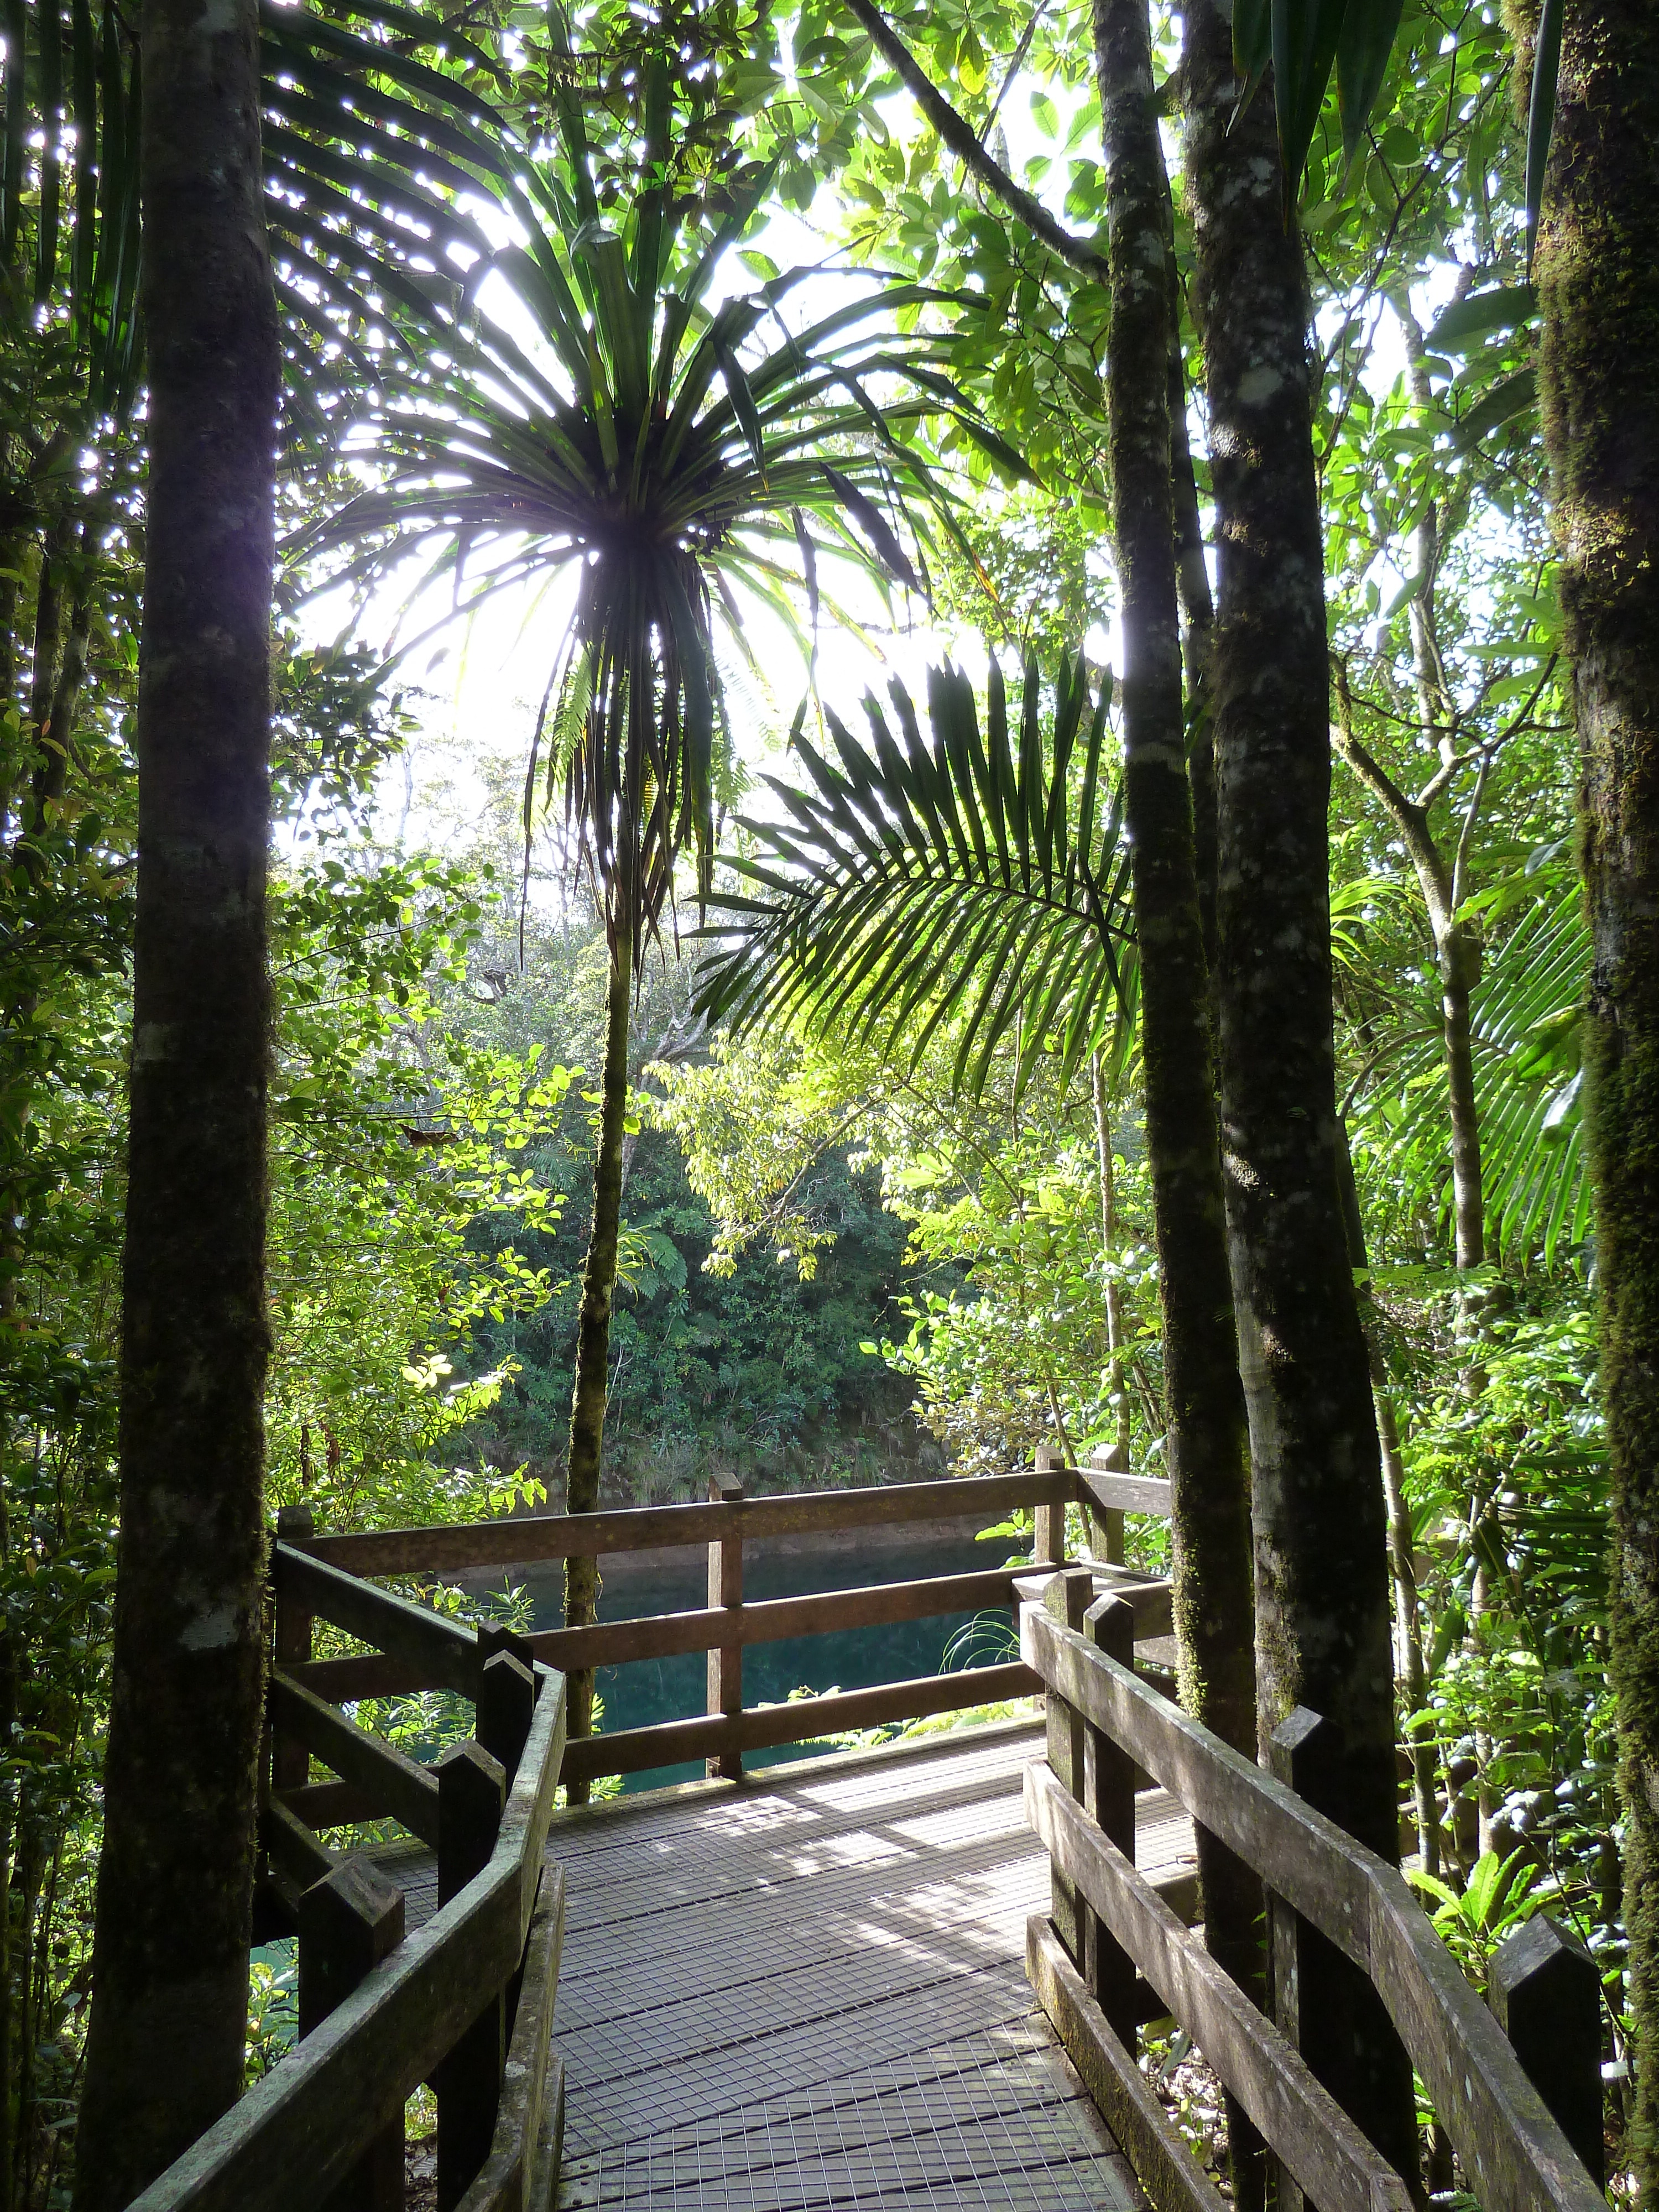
x: 1597, y: 271
x: 1323, y: 1629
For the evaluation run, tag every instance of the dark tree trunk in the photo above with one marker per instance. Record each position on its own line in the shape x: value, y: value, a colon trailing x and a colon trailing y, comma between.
x: 582, y: 1576
x: 1206, y: 1449
x: 165, y: 2052
x: 1322, y: 1630
x: 1598, y: 280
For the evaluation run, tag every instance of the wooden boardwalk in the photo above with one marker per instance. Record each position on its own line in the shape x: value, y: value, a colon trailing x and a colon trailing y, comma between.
x: 807, y: 1991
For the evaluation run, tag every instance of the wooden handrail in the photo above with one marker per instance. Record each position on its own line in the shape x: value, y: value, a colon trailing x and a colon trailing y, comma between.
x: 413, y: 1633
x: 300, y: 2130
x: 1515, y: 2156
x: 664, y: 1635
x: 519, y: 1540
x: 358, y: 1756
x: 763, y: 1727
x: 1111, y: 1492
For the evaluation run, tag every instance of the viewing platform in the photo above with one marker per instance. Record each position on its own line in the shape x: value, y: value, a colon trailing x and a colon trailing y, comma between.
x: 809, y: 1990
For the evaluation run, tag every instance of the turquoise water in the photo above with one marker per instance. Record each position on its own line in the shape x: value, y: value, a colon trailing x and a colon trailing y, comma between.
x: 646, y: 1691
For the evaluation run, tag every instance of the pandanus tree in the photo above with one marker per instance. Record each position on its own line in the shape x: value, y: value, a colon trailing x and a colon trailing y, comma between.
x: 674, y: 453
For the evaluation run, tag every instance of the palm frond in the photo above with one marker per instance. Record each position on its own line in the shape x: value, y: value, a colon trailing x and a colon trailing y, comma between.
x: 1525, y: 1017
x: 967, y: 880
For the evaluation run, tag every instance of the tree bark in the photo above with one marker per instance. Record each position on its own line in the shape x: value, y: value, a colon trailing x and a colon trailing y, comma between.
x: 582, y: 1576
x: 1206, y: 1438
x: 1598, y: 280
x: 165, y: 2052
x: 1323, y: 1628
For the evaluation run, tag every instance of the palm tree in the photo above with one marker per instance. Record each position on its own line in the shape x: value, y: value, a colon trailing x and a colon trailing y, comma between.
x: 666, y: 454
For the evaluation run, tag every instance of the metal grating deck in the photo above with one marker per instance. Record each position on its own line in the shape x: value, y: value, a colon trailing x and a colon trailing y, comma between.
x: 806, y: 1992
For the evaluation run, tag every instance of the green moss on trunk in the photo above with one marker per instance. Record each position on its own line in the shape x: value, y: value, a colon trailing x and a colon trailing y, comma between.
x: 1598, y: 280
x: 1206, y: 1448
x: 1322, y: 1632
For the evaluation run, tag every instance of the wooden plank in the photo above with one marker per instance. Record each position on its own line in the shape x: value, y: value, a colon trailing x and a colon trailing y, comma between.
x: 516, y: 1541
x: 661, y: 1636
x: 299, y: 2129
x: 472, y: 1791
x: 1300, y: 2119
x: 530, y: 1799
x: 332, y: 1804
x: 294, y: 1846
x: 1305, y: 1858
x: 291, y: 1643
x: 724, y: 1675
x: 631, y: 1751
x: 1545, y: 1991
x: 1517, y: 2157
x: 1109, y: 1492
x: 507, y: 2176
x: 1171, y: 2176
x: 358, y: 1756
x: 408, y: 1632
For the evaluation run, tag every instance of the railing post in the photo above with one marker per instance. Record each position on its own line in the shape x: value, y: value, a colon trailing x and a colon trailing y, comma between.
x: 1544, y: 1990
x: 506, y: 1706
x: 471, y: 1794
x: 1109, y: 1626
x: 1326, y: 2007
x: 348, y: 1922
x: 1300, y: 1751
x: 291, y: 1762
x: 1066, y: 1598
x: 725, y: 1659
x: 1111, y: 1459
x: 1049, y: 1549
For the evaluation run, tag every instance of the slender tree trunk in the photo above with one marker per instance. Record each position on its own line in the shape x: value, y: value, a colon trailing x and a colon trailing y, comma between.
x: 164, y: 2053
x: 1116, y: 1379
x: 1206, y: 1449
x: 1323, y: 1627
x: 582, y: 1576
x: 1598, y: 280
x: 1409, y: 1662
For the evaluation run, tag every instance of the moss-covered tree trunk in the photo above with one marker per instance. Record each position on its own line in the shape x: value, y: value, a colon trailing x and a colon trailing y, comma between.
x: 1598, y: 281
x: 1207, y: 1452
x: 164, y: 2053
x: 1323, y: 1629
x: 582, y: 1576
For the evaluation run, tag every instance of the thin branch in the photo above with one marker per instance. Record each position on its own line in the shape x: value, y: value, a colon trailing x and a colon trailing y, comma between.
x: 1014, y: 69
x: 955, y: 132
x: 1466, y: 839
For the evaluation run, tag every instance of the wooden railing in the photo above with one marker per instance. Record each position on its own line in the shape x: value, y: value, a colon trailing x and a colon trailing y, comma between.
x: 465, y: 2002
x: 418, y: 1657
x: 1110, y: 1935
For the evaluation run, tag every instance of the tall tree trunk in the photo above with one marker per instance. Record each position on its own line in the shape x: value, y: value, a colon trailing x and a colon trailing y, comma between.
x: 1206, y: 1449
x: 1117, y: 1382
x: 582, y: 1576
x: 165, y: 2052
x: 1598, y: 281
x: 1323, y: 1628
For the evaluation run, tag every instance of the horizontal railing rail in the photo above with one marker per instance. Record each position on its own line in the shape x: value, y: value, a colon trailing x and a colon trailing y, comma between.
x: 411, y: 1657
x: 520, y: 1540
x: 465, y: 2002
x: 1515, y: 2156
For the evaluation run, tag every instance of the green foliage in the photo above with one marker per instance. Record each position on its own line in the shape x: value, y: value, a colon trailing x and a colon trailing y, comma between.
x: 980, y: 882
x: 1500, y: 1895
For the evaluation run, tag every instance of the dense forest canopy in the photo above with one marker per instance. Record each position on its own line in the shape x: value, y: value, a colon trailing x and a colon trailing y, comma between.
x: 889, y: 845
